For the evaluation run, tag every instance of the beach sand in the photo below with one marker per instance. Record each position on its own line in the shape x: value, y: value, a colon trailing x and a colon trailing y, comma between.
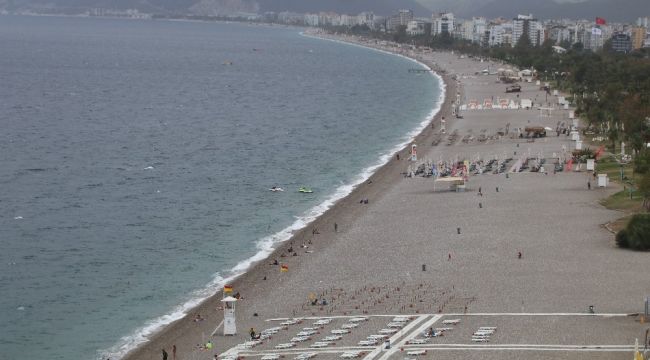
x: 374, y: 263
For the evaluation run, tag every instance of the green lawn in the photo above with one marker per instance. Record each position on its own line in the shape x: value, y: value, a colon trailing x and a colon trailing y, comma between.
x: 621, y: 200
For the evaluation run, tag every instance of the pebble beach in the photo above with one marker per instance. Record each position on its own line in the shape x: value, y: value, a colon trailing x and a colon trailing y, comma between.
x: 416, y: 249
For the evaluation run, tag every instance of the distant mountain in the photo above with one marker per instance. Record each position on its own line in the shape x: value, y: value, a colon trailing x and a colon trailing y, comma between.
x: 464, y: 8
x: 220, y: 7
x: 619, y: 10
x: 379, y: 7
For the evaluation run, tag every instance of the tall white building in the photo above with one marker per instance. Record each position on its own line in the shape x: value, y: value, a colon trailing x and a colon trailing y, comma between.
x: 312, y: 20
x: 415, y: 27
x: 467, y: 30
x: 366, y: 18
x: 560, y: 33
x: 402, y: 18
x: 527, y: 24
x: 479, y: 26
x: 443, y: 22
x: 496, y: 35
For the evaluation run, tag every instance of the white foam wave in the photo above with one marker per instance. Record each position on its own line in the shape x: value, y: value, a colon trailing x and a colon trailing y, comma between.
x: 266, y: 245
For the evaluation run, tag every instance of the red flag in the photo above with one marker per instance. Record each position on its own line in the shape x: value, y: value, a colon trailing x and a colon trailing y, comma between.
x: 600, y: 21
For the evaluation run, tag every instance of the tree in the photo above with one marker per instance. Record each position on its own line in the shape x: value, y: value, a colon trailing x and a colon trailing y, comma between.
x: 400, y: 35
x: 636, y: 234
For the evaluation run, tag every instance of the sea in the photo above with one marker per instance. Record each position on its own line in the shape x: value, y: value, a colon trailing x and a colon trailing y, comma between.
x: 137, y: 158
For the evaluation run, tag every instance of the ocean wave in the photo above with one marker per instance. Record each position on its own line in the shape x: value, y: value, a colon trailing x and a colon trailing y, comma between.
x: 267, y: 244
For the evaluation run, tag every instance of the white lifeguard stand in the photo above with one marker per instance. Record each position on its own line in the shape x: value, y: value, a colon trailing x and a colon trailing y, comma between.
x: 229, y: 320
x: 414, y: 152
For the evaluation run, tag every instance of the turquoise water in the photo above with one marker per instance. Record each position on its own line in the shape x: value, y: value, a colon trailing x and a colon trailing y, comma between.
x: 137, y: 158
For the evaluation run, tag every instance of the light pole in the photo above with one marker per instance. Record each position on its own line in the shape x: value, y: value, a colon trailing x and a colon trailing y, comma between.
x: 621, y: 172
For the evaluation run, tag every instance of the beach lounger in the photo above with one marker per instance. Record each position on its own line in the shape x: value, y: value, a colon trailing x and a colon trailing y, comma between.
x: 480, y: 339
x: 417, y: 341
x: 285, y: 345
x: 367, y: 343
x: 416, y: 352
x: 451, y: 322
x: 481, y: 336
x: 320, y: 344
x: 487, y: 328
x: 395, y: 325
x: 349, y: 326
x: 310, y: 329
x: 351, y: 354
x: 388, y: 331
x: 300, y: 338
x: 332, y: 338
x: 306, y: 333
x: 444, y: 329
x: 401, y: 319
x: 271, y: 357
x: 322, y: 322
x: 378, y: 337
x: 340, y: 331
x: 305, y: 356
x: 358, y: 319
x: 486, y: 332
x: 290, y: 322
x: 272, y: 330
x: 250, y: 344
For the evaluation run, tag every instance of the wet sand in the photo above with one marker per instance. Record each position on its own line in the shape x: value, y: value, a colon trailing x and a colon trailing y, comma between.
x: 374, y: 263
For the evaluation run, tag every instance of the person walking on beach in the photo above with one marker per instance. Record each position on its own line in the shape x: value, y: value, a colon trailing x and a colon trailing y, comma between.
x: 164, y: 354
x: 519, y: 254
x: 588, y: 184
x: 449, y: 257
x: 174, y: 352
x: 336, y: 227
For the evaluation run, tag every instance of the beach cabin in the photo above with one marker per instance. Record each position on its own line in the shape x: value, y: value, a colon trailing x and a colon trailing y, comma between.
x: 453, y: 183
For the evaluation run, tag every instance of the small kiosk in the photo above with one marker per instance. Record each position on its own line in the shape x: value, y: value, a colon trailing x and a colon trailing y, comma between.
x: 602, y: 180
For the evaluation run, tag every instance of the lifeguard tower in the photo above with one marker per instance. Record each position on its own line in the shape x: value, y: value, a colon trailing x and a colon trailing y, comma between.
x: 229, y: 320
x: 414, y: 152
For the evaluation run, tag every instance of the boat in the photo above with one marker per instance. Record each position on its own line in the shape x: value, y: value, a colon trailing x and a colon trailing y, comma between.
x: 276, y: 189
x: 305, y: 190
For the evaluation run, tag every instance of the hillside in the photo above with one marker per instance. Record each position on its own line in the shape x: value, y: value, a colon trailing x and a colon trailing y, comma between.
x: 216, y: 7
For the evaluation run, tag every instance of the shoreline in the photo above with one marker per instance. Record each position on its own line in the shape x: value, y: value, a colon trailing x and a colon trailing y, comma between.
x: 365, y: 187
